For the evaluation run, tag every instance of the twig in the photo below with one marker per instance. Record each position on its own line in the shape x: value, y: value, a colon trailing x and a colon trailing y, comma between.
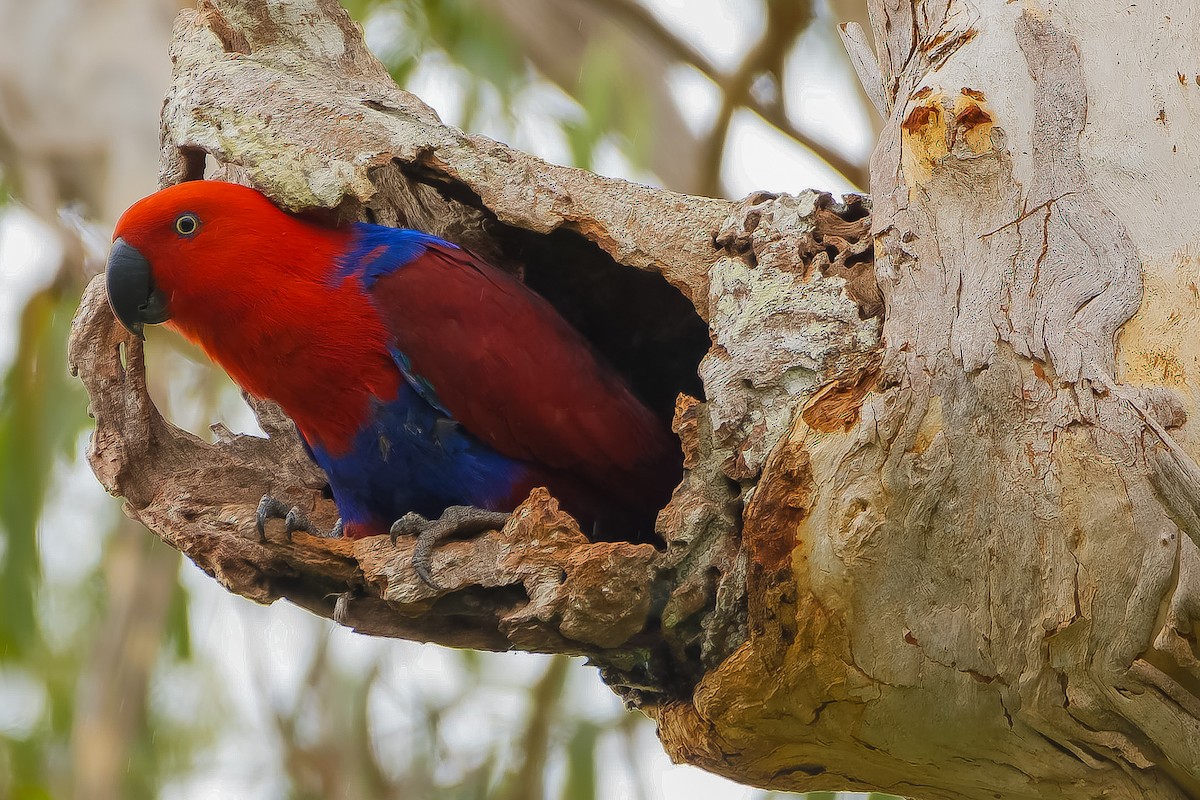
x: 641, y: 21
x: 781, y: 31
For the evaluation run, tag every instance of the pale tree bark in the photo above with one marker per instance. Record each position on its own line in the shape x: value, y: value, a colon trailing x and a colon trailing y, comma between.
x: 949, y: 554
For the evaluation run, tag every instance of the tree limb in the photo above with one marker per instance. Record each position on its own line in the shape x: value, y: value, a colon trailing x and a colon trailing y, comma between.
x: 303, y: 112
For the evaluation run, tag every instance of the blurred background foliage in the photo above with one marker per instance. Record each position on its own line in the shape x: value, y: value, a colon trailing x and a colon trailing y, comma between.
x: 124, y: 672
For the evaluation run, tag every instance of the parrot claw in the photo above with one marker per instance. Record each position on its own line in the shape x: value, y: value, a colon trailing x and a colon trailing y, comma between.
x: 268, y: 508
x: 460, y: 521
x: 294, y: 519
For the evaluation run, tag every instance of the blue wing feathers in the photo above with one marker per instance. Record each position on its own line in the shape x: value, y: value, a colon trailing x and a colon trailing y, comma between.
x: 411, y: 457
x: 378, y: 250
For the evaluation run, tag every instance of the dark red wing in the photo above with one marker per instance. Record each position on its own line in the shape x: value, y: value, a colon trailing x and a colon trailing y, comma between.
x: 516, y: 375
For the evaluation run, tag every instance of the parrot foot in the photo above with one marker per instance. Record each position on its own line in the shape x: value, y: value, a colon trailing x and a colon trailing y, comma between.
x: 293, y: 520
x: 461, y: 521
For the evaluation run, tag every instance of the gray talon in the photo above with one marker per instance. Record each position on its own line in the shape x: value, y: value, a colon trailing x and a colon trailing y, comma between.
x: 268, y: 508
x: 411, y: 524
x: 460, y: 521
x: 294, y: 519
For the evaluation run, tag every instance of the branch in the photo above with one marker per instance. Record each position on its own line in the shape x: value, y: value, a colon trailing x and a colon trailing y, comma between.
x: 544, y: 700
x: 555, y: 36
x: 784, y: 24
x: 778, y: 289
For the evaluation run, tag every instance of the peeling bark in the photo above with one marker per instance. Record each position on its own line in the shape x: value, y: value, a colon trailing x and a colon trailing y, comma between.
x: 937, y: 531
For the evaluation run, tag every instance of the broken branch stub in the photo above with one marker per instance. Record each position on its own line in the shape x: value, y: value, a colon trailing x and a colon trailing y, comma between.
x: 776, y: 293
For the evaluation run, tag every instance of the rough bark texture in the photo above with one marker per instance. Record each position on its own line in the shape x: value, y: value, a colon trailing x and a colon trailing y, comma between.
x: 951, y: 565
x: 998, y: 553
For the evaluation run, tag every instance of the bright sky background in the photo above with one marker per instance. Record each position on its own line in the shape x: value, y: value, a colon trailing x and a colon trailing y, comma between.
x: 233, y: 631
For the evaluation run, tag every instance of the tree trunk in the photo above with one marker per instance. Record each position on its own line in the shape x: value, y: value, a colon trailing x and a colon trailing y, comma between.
x: 948, y: 561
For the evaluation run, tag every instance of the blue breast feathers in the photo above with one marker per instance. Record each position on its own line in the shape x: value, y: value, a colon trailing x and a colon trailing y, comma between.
x: 410, y: 456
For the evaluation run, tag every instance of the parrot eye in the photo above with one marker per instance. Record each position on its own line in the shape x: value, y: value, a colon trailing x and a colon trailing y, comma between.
x: 187, y: 224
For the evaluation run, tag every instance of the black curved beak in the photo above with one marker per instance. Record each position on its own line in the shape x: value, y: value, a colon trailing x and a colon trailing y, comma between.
x: 134, y: 298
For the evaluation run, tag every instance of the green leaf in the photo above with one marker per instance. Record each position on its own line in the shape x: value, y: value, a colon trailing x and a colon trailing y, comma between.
x: 614, y: 104
x: 179, y: 639
x: 41, y: 416
x: 478, y: 41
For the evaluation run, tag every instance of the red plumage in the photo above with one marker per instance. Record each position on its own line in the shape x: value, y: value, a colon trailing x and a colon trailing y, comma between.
x: 252, y: 290
x: 516, y: 375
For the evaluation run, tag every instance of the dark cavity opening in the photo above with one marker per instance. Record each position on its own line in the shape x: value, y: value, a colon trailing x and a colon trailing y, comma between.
x: 642, y: 325
x: 853, y: 208
x: 193, y: 161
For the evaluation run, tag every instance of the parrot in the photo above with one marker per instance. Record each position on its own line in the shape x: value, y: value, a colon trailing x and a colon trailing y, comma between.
x: 434, y: 389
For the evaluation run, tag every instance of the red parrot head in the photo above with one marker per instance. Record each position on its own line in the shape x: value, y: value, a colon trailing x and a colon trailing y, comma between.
x: 187, y: 250
x: 259, y: 291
